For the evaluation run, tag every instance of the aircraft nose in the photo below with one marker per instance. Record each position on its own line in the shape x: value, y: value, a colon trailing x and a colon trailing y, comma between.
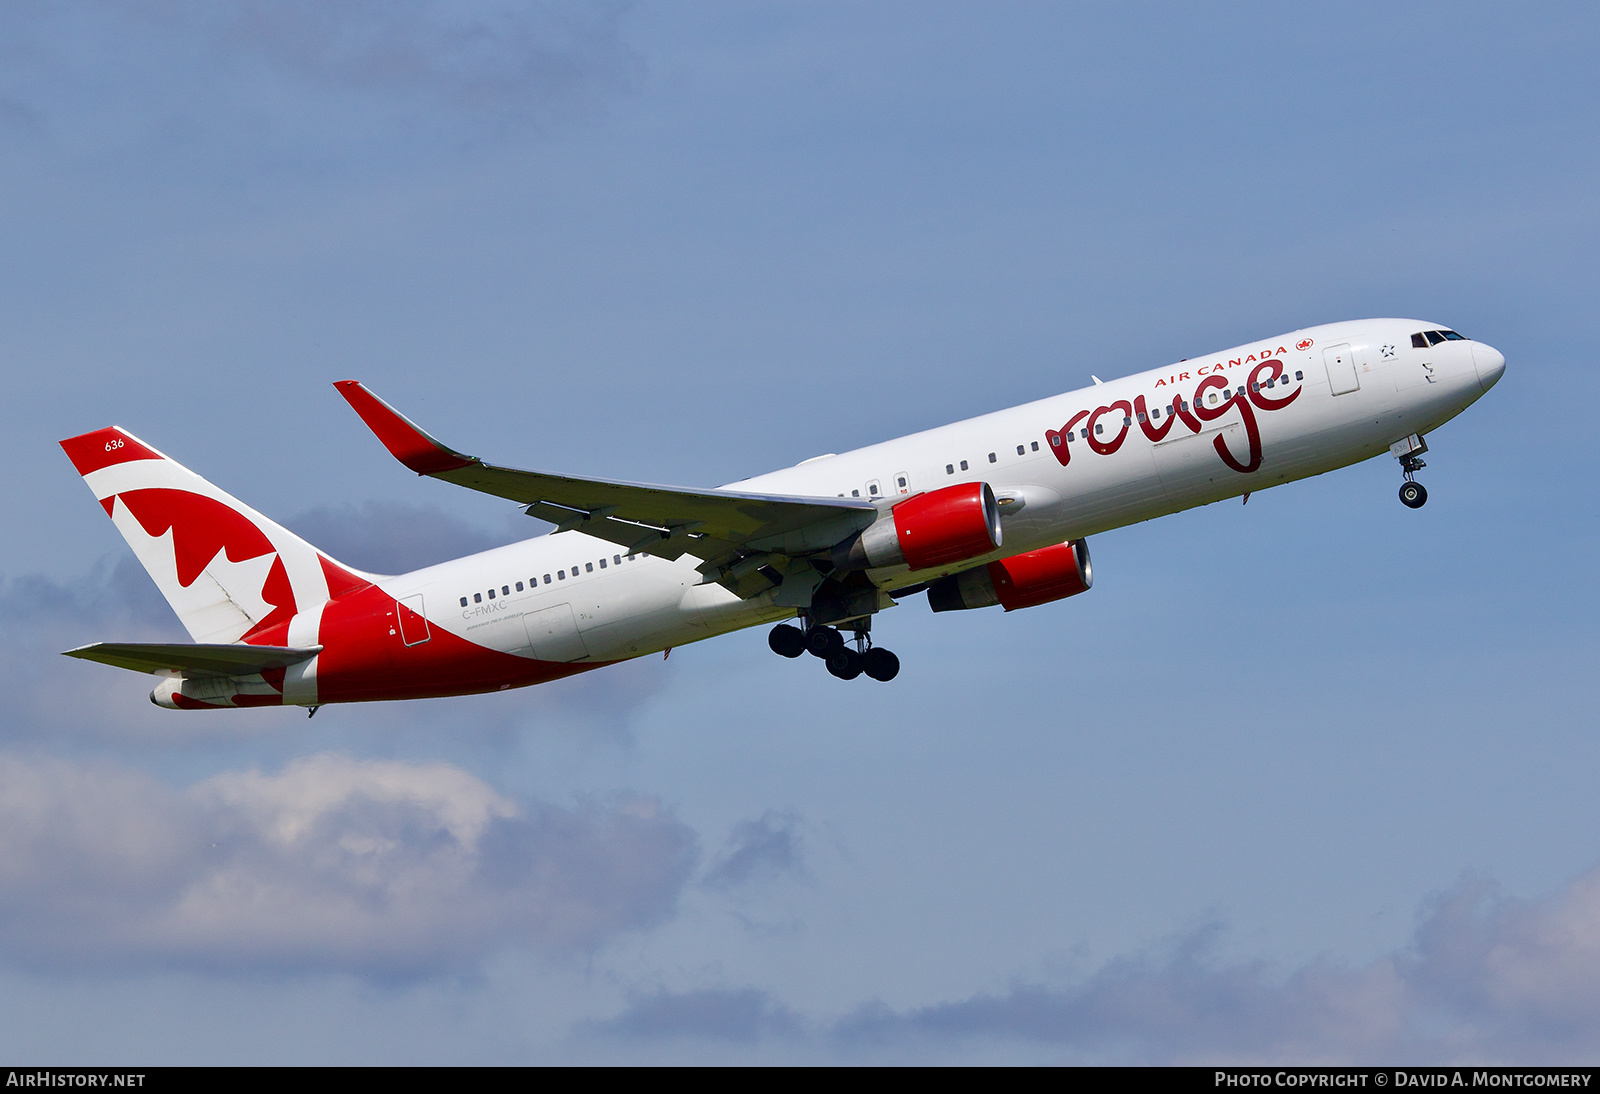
x: 1491, y: 364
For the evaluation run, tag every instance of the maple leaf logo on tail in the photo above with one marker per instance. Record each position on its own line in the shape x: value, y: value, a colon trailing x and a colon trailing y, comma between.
x: 229, y: 573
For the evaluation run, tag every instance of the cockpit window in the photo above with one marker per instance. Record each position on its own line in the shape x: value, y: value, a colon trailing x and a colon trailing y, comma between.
x: 1433, y: 337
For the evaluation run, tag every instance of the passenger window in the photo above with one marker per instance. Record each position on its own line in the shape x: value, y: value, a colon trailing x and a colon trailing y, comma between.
x: 855, y: 493
x: 561, y: 575
x: 1142, y: 417
x: 477, y: 598
x: 463, y: 602
x: 1020, y: 450
x: 505, y: 590
x: 873, y: 489
x: 1213, y: 398
x: 901, y: 482
x: 519, y: 586
x: 616, y: 560
x: 1083, y: 434
x: 1126, y: 421
x: 991, y: 458
x: 602, y: 564
x: 949, y: 469
x: 547, y: 579
x: 1036, y: 446
x: 1056, y: 440
x: 963, y: 465
x: 588, y: 567
x: 1098, y: 429
x: 1298, y: 375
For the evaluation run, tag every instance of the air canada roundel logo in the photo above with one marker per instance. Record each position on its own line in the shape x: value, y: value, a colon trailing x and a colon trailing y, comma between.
x: 1304, y: 343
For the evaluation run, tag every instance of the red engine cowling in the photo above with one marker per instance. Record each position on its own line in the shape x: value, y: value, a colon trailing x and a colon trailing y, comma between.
x: 928, y: 530
x: 1021, y: 581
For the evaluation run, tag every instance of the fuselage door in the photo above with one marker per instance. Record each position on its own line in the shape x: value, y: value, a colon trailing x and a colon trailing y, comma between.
x: 553, y: 634
x: 413, y: 624
x: 1341, y: 364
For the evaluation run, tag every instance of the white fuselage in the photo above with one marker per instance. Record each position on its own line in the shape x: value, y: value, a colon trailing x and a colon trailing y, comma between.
x: 573, y: 598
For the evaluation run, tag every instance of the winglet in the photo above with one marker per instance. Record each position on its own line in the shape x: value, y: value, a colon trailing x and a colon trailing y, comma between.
x: 405, y: 442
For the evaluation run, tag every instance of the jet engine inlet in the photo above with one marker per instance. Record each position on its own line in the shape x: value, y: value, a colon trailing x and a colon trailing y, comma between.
x: 928, y: 530
x: 1021, y: 581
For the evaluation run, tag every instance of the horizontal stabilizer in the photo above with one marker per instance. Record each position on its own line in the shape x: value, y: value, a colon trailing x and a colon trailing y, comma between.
x: 219, y: 659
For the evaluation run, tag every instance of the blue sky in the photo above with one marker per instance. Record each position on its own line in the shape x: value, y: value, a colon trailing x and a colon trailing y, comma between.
x: 1310, y: 779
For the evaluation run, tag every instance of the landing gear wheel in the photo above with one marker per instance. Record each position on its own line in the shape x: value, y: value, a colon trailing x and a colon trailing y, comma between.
x: 822, y: 641
x: 1413, y: 495
x: 880, y: 664
x: 787, y: 641
x: 845, y: 663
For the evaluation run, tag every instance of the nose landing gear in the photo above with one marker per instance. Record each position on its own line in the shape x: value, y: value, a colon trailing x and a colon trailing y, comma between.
x: 835, y: 651
x: 1413, y: 495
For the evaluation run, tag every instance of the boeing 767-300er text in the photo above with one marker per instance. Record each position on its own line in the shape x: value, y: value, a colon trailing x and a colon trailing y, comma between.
x: 992, y: 510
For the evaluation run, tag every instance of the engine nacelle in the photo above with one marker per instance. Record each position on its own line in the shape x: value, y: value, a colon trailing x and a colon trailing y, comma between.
x: 1021, y: 581
x: 928, y: 530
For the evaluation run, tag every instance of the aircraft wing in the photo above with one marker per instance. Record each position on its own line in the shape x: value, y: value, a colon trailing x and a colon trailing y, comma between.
x: 733, y: 533
x: 219, y: 658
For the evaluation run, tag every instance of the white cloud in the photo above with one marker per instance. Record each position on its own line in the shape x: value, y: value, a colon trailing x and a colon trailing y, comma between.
x: 377, y: 867
x: 1485, y: 979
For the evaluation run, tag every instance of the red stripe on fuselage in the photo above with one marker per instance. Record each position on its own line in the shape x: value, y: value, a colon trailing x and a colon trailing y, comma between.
x: 364, y: 657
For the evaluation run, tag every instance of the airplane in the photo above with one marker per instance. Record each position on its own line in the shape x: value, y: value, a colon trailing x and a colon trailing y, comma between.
x: 991, y: 511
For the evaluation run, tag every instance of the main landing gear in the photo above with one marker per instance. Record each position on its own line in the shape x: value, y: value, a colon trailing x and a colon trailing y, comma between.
x: 834, y: 649
x: 1413, y: 495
